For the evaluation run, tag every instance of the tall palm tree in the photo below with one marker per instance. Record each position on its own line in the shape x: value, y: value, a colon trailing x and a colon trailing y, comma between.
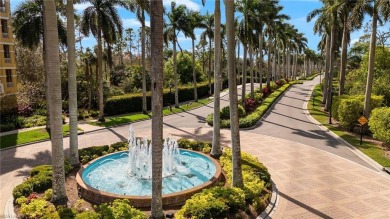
x: 178, y: 21
x: 28, y: 29
x: 52, y: 67
x: 156, y: 25
x: 235, y: 130
x: 102, y: 20
x: 139, y: 7
x: 216, y: 148
x: 209, y: 33
x: 195, y: 21
x: 380, y: 11
x: 72, y: 85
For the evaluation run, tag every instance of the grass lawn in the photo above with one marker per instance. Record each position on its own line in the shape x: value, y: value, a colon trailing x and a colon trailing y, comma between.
x: 28, y: 136
x: 368, y: 148
x: 123, y: 119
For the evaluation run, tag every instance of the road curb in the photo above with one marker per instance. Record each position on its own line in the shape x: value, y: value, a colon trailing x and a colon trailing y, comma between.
x: 272, y: 205
x: 353, y: 149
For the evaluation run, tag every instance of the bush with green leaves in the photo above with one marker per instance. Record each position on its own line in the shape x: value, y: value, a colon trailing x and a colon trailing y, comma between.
x: 184, y: 69
x: 88, y: 215
x: 205, y: 147
x: 39, y: 181
x: 251, y: 119
x: 120, y: 208
x: 379, y: 124
x: 350, y: 108
x: 38, y: 208
x: 203, y: 205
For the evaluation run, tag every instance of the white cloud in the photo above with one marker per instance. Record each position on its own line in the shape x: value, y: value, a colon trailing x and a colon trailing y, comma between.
x: 82, y: 6
x: 132, y: 22
x: 190, y: 4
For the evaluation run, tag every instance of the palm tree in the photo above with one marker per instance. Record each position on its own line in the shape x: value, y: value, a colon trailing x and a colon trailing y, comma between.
x: 178, y: 21
x: 156, y: 25
x: 195, y: 21
x: 209, y: 33
x: 28, y: 29
x: 235, y: 130
x: 380, y: 10
x: 72, y: 85
x: 216, y: 148
x: 102, y: 20
x: 139, y: 7
x: 52, y: 67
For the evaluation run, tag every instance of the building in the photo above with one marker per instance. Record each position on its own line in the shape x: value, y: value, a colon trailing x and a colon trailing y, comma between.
x: 8, y: 79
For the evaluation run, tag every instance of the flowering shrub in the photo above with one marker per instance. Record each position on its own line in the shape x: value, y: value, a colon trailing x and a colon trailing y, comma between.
x: 266, y: 91
x: 32, y: 196
x: 250, y: 105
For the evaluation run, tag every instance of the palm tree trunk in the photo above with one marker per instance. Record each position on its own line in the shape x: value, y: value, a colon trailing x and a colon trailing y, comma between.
x: 194, y: 70
x: 344, y: 54
x: 216, y: 148
x: 156, y: 35
x: 326, y: 76
x: 243, y: 88
x: 261, y: 61
x: 52, y: 67
x: 328, y: 104
x: 238, y: 62
x: 209, y: 73
x: 100, y: 74
x: 274, y: 57
x: 144, y: 102
x: 269, y: 56
x: 72, y: 85
x: 90, y: 86
x: 175, y: 71
x: 251, y: 71
x: 371, y: 64
x: 235, y: 131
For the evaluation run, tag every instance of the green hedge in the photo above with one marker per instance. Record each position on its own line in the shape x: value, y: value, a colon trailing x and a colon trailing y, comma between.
x: 220, y: 202
x: 379, y: 124
x: 251, y: 119
x: 133, y: 102
x: 39, y: 181
x: 376, y: 101
x: 349, y: 108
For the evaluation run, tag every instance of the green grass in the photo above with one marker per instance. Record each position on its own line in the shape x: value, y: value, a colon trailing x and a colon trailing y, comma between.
x: 28, y: 137
x: 367, y: 148
x: 123, y: 119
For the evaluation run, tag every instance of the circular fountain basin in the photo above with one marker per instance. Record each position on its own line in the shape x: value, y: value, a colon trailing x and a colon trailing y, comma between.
x: 106, y: 179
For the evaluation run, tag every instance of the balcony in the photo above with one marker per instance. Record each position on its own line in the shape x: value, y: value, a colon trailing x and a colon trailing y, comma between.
x: 5, y: 35
x: 7, y: 60
x: 2, y: 9
x: 10, y: 84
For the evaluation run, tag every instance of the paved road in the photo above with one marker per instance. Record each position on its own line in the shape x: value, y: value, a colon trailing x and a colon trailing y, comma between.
x: 316, y: 175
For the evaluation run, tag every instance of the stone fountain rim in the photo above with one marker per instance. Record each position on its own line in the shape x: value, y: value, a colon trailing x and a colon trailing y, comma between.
x: 176, y: 198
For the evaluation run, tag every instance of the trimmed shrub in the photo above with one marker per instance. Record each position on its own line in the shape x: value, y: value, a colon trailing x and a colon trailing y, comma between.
x: 351, y: 108
x: 133, y: 102
x: 120, y: 208
x: 379, y: 124
x: 194, y: 145
x: 88, y: 215
x: 203, y: 206
x: 225, y: 112
x: 37, y: 208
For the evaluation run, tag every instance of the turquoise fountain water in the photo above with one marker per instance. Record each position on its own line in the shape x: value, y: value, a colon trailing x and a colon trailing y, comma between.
x: 129, y: 173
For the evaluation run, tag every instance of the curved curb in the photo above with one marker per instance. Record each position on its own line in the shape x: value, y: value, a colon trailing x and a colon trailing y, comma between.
x: 272, y: 205
x: 353, y: 149
x: 9, y: 209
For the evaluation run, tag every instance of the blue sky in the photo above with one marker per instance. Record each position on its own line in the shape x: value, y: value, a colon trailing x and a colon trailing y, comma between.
x: 296, y: 9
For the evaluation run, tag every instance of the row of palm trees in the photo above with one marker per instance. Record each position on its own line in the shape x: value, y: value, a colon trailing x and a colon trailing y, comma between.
x: 335, y: 21
x: 261, y: 32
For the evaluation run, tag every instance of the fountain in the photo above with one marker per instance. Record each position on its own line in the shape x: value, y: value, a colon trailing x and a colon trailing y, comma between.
x: 128, y: 175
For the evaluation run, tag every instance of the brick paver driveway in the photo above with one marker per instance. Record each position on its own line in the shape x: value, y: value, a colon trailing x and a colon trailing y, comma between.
x: 317, y: 177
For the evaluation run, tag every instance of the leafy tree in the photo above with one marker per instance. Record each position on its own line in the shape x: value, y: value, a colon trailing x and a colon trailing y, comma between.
x: 184, y: 67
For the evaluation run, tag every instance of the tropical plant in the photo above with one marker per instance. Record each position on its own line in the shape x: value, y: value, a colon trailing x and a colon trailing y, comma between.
x: 208, y: 33
x: 102, y: 20
x: 237, y: 180
x: 52, y: 67
x: 178, y: 21
x: 156, y: 24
